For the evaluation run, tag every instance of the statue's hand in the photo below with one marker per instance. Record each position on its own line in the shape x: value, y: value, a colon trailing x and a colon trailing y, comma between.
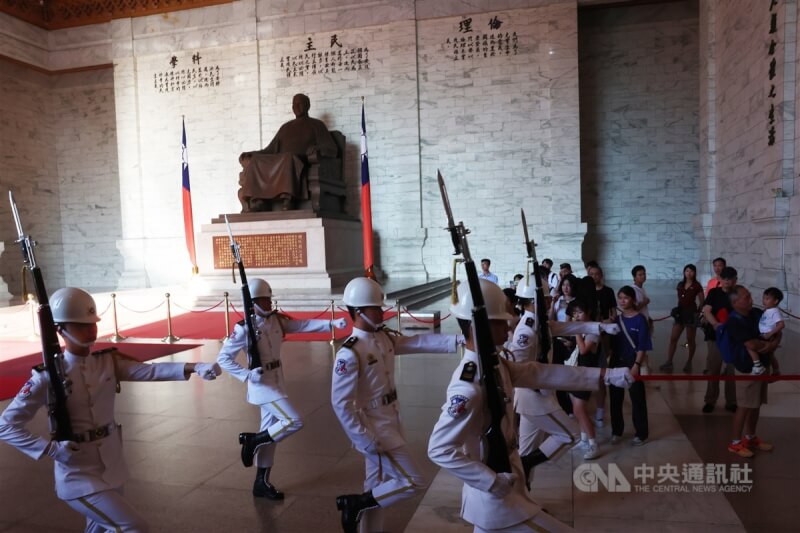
x: 313, y: 154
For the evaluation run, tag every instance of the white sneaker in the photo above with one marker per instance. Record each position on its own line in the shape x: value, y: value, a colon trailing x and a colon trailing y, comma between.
x: 615, y: 439
x: 581, y: 445
x: 592, y: 452
x: 638, y: 442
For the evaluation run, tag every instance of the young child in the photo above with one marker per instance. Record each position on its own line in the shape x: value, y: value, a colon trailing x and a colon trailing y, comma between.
x: 90, y: 468
x: 279, y: 418
x: 588, y: 346
x: 770, y: 326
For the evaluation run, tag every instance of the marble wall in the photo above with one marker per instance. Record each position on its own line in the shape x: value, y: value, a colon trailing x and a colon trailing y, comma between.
x: 754, y: 208
x: 639, y: 137
x: 668, y: 145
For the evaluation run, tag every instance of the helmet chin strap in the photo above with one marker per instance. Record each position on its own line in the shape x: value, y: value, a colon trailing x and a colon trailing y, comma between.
x: 71, y: 338
x: 366, y: 319
x: 260, y: 311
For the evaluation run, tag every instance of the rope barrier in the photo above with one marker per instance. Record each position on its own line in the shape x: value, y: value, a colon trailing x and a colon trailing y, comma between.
x: 423, y: 321
x: 106, y: 309
x: 725, y: 377
x: 145, y: 311
x: 784, y: 311
x: 240, y: 315
x: 324, y: 311
x: 201, y: 310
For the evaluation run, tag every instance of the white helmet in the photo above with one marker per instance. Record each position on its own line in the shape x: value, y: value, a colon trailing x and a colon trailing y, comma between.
x: 363, y: 292
x: 493, y: 296
x: 71, y: 304
x: 526, y: 291
x: 259, y: 288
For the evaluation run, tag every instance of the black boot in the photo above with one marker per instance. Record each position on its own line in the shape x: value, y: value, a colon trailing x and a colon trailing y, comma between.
x: 251, y: 441
x: 530, y: 460
x: 262, y: 488
x: 352, y: 507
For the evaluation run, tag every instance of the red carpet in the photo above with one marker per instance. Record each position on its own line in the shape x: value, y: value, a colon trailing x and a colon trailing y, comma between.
x: 19, y: 356
x: 211, y: 325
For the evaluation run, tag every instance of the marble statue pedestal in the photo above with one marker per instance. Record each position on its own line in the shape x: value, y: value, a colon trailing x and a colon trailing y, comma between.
x: 295, y: 251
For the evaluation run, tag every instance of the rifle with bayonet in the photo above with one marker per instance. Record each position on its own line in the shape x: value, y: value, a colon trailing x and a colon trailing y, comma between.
x: 497, y: 456
x: 541, y: 306
x: 253, y: 355
x: 52, y: 356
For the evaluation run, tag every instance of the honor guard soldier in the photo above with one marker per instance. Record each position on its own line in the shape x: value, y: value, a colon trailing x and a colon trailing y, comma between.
x: 265, y: 385
x: 364, y: 399
x: 90, y: 468
x: 545, y: 430
x: 498, y: 501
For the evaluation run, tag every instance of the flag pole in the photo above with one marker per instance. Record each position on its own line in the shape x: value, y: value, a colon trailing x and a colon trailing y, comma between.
x: 188, y: 218
x: 366, y: 202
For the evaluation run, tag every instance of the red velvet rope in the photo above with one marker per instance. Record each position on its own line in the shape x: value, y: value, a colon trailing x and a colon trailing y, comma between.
x: 745, y: 377
x: 431, y: 321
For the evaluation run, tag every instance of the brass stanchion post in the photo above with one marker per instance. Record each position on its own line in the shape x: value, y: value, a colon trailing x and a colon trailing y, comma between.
x: 170, y: 338
x: 333, y: 331
x: 399, y: 327
x: 116, y: 337
x: 32, y: 304
x: 227, y: 318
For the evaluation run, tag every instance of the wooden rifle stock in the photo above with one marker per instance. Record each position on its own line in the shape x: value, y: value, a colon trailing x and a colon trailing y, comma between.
x: 497, y: 452
x: 52, y: 357
x: 541, y: 307
x: 253, y: 354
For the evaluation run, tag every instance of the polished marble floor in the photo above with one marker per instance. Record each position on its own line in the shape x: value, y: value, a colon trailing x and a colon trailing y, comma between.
x: 180, y: 444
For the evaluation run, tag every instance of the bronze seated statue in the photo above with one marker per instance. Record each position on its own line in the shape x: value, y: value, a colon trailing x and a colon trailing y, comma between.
x: 302, y: 168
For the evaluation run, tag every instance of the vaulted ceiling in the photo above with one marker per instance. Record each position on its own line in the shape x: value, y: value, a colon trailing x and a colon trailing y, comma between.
x: 56, y: 14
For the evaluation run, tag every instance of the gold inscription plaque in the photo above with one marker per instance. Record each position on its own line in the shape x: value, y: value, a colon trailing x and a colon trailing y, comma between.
x: 273, y: 250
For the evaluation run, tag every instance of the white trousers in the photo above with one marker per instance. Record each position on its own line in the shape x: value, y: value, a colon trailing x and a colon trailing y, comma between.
x: 281, y: 419
x: 109, y: 511
x: 391, y: 476
x: 554, y: 433
x: 541, y: 523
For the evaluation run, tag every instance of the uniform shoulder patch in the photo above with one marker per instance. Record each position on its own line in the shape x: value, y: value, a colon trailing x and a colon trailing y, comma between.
x: 40, y: 367
x: 530, y: 321
x: 457, y: 406
x: 25, y: 391
x: 468, y: 372
x: 349, y: 343
x: 523, y: 340
x: 340, y: 368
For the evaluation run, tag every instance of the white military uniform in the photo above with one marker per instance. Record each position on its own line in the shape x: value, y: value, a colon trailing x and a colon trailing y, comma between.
x: 364, y: 399
x: 456, y: 442
x: 92, y: 483
x: 278, y: 416
x: 543, y: 424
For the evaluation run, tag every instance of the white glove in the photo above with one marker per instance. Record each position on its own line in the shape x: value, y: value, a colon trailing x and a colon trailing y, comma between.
x: 65, y: 452
x: 503, y: 484
x: 207, y: 371
x: 255, y: 375
x: 461, y: 340
x: 611, y: 329
x: 758, y: 369
x: 373, y: 447
x: 619, y: 377
x: 339, y: 323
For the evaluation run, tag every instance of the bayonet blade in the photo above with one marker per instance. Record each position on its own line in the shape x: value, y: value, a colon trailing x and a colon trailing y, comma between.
x: 15, y: 212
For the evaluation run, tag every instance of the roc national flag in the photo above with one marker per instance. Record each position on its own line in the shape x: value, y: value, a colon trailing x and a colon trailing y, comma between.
x: 188, y: 222
x: 366, y: 204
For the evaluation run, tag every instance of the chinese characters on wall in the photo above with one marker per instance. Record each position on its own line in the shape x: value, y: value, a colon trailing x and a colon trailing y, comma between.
x: 773, y: 67
x: 327, y: 58
x: 471, y: 43
x: 196, y: 76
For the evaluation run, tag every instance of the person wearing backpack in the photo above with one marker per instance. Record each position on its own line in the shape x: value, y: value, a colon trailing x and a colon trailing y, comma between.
x: 736, y: 337
x: 716, y: 308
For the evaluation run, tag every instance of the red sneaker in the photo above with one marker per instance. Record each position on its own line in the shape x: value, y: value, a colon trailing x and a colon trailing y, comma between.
x: 740, y: 449
x: 757, y: 444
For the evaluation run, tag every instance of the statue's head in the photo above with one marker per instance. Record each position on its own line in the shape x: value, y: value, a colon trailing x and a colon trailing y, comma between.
x: 300, y: 105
